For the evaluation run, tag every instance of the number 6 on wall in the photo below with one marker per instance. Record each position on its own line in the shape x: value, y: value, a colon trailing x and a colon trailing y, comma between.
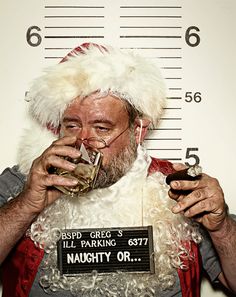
x: 33, y: 38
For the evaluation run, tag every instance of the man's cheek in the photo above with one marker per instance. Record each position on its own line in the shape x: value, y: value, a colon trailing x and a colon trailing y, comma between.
x: 107, y: 156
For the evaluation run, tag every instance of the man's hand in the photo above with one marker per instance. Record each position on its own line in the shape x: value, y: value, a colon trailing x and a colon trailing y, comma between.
x: 205, y: 202
x: 39, y: 191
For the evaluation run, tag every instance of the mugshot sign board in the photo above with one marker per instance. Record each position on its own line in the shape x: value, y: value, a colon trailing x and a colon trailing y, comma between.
x: 106, y: 250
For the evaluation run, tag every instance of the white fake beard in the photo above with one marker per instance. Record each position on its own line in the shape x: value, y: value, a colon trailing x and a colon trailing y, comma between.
x: 147, y: 198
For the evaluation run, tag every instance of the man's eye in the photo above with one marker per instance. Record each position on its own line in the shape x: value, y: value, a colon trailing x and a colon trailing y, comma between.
x: 72, y: 126
x: 102, y: 129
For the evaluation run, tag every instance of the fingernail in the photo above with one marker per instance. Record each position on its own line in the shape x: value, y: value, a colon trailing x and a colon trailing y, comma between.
x: 187, y: 213
x: 74, y: 181
x: 174, y: 184
x: 176, y: 208
x: 72, y: 166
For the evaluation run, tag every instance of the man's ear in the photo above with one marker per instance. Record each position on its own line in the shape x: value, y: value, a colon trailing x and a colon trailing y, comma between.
x: 141, y: 128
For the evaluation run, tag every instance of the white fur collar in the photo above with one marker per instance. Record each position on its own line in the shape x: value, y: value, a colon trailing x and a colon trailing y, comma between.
x: 33, y: 143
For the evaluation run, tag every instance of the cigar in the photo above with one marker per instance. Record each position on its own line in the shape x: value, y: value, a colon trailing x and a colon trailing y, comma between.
x: 191, y: 173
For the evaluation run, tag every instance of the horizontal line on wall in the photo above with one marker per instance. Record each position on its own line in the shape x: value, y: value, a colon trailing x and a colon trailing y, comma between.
x: 150, y: 36
x: 172, y: 159
x: 172, y: 108
x: 152, y: 16
x: 74, y: 27
x: 170, y: 67
x: 150, y: 27
x: 153, y: 48
x: 53, y: 57
x: 79, y: 36
x: 58, y: 48
x: 150, y: 6
x: 71, y: 6
x: 171, y: 119
x: 164, y: 149
x: 163, y: 138
x: 73, y: 16
x: 170, y: 57
x: 174, y: 98
x: 165, y: 129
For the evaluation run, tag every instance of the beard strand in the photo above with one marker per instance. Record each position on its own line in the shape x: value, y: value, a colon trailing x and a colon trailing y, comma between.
x: 117, y: 167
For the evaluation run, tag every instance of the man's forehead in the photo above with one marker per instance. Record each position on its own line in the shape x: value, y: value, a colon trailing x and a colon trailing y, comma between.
x: 104, y: 108
x: 101, y: 98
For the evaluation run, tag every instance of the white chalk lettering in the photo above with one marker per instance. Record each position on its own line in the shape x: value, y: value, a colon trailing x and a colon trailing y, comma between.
x: 123, y: 256
x: 71, y: 235
x: 70, y: 258
x: 98, y: 243
x: 68, y: 244
x: 120, y: 233
x: 100, y: 234
x: 100, y: 257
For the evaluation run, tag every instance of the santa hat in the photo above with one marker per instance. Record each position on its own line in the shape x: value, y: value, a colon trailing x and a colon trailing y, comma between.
x: 90, y: 68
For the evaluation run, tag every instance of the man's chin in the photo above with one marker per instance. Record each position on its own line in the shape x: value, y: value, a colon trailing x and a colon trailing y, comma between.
x: 118, y: 167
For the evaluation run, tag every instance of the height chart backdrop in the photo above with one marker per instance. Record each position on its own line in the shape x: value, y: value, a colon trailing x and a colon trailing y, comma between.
x: 193, y: 42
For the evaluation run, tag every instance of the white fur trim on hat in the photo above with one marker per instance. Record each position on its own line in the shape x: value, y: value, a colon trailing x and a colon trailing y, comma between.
x: 135, y: 78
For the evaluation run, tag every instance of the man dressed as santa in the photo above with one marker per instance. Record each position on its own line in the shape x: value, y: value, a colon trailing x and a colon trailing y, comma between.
x: 100, y: 102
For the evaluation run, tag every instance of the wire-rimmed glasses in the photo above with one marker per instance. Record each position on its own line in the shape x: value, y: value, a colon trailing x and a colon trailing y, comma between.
x: 100, y: 143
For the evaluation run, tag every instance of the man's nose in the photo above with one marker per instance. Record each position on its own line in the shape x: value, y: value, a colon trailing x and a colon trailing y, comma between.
x: 84, y: 134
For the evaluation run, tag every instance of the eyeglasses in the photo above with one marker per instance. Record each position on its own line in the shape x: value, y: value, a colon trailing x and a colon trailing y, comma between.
x: 99, y: 143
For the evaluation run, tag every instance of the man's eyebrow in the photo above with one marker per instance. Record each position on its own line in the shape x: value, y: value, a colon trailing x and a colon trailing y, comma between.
x: 71, y: 119
x: 102, y: 121
x: 92, y: 121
